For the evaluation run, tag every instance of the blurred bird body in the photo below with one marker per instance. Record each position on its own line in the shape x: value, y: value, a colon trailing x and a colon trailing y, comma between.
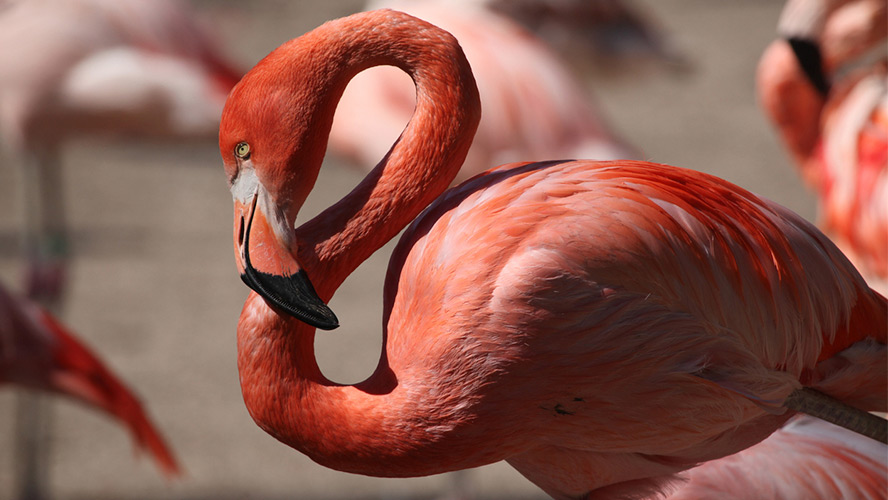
x: 86, y: 67
x: 606, y: 34
x: 72, y: 69
x: 96, y: 69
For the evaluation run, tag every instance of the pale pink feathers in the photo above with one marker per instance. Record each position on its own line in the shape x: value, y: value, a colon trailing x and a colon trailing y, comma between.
x: 807, y: 459
x: 77, y: 67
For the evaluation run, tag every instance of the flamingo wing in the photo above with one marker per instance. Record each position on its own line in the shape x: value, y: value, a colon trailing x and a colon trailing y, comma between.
x: 635, y: 288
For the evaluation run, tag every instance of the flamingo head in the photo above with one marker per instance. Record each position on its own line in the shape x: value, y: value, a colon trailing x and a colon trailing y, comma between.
x: 272, y: 152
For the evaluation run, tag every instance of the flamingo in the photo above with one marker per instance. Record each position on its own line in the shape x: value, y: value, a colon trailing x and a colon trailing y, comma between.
x: 37, y: 352
x: 807, y: 459
x: 601, y: 326
x: 76, y: 68
x: 834, y: 121
x: 89, y: 68
x: 538, y: 110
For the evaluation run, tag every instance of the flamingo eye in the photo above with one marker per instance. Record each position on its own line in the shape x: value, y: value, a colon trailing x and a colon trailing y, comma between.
x: 242, y: 150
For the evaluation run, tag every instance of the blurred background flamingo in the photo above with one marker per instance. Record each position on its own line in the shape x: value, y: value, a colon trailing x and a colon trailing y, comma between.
x: 826, y: 91
x: 38, y: 353
x: 86, y: 68
x: 92, y: 68
x: 599, y: 36
x: 534, y: 107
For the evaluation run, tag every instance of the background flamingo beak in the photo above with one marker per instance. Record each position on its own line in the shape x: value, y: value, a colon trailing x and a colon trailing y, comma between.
x: 277, y: 277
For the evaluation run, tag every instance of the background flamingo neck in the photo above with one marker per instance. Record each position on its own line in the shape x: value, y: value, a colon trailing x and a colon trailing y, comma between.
x: 422, y: 162
x: 792, y: 103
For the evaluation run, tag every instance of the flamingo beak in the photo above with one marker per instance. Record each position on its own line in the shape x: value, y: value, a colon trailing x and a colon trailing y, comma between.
x: 810, y: 59
x: 801, y: 24
x: 272, y: 271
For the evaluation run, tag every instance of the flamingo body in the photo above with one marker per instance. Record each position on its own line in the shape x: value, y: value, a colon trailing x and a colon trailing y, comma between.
x: 599, y: 262
x: 853, y: 189
x: 601, y: 326
x: 608, y: 34
x: 80, y: 67
x: 38, y: 352
x: 92, y: 68
x: 97, y: 68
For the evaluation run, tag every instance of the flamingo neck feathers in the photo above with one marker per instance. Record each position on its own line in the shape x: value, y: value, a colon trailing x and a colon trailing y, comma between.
x: 368, y: 428
x: 422, y: 162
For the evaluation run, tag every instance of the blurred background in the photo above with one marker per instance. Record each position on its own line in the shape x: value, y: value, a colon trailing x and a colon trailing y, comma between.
x: 153, y: 287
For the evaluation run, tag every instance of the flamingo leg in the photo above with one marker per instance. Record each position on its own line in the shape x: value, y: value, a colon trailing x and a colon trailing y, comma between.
x: 826, y: 408
x: 45, y: 245
x: 45, y: 236
x: 33, y: 426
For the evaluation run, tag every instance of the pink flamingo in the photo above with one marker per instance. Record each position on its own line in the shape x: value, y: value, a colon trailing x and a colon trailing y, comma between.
x: 535, y: 107
x: 76, y: 68
x: 38, y: 352
x: 807, y: 459
x: 835, y: 125
x: 602, y: 326
x: 87, y: 68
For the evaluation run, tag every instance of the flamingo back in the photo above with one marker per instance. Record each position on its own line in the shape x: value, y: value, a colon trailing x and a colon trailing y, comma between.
x: 585, y: 263
x: 632, y: 289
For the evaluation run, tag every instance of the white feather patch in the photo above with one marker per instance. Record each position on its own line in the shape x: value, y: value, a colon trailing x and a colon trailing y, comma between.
x: 245, y: 185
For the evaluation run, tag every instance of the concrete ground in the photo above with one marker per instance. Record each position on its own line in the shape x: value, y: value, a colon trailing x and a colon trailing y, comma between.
x: 154, y: 288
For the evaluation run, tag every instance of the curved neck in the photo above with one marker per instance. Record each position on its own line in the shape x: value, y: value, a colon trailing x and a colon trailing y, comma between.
x: 421, y: 163
x: 360, y: 428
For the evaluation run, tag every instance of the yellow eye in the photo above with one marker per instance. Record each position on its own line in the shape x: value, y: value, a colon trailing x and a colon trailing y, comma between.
x: 242, y: 150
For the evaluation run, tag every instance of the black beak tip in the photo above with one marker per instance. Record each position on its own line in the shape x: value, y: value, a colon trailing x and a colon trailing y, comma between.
x: 294, y: 295
x: 810, y: 59
x: 327, y: 321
